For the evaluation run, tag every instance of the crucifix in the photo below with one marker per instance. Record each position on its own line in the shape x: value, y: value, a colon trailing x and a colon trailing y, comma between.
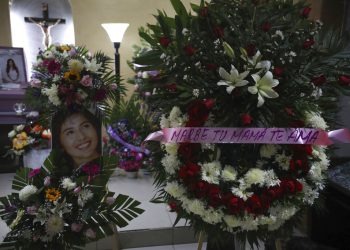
x: 45, y: 23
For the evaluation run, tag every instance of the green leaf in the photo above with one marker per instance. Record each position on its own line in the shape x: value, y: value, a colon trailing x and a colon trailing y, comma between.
x: 180, y: 10
x: 147, y: 38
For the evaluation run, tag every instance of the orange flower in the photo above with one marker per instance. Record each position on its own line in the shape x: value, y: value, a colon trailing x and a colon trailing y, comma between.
x: 53, y: 194
x: 37, y: 129
x: 46, y: 134
x: 71, y: 76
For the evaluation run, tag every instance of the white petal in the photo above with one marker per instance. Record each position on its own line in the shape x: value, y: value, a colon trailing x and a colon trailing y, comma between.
x: 269, y: 93
x: 256, y: 77
x: 222, y: 83
x: 260, y: 101
x: 253, y: 90
x: 275, y: 83
x: 267, y: 80
x: 264, y: 65
x: 223, y: 73
x: 230, y: 89
x: 241, y: 83
x: 234, y: 73
x: 243, y: 75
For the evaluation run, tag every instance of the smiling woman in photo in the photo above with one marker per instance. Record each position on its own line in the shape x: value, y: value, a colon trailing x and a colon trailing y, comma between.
x: 78, y: 136
x: 11, y: 72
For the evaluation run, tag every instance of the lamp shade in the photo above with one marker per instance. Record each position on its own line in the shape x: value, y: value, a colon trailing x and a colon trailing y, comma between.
x: 115, y: 31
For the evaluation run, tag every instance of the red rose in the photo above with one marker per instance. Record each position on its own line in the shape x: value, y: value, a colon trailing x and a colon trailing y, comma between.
x: 253, y: 204
x: 183, y: 172
x: 218, y: 31
x: 251, y: 49
x: 319, y: 80
x: 288, y: 186
x: 201, y: 189
x: 198, y: 111
x: 204, y: 12
x: 194, y: 123
x: 344, y: 80
x: 302, y: 149
x: 192, y: 169
x: 266, y: 26
x: 298, y: 186
x: 53, y: 67
x: 246, y: 119
x: 188, y: 151
x: 305, y: 12
x: 308, y: 43
x: 297, y: 124
x: 171, y: 87
x: 164, y: 41
x: 278, y: 71
x: 189, y: 50
x: 100, y: 95
x: 211, y: 66
x: 173, y: 206
x: 214, y: 196
x: 233, y: 203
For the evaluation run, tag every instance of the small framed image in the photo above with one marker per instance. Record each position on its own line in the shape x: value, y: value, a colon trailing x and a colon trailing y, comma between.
x: 12, y: 67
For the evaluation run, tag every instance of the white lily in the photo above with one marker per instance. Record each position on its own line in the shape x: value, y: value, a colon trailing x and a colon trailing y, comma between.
x: 255, y: 63
x: 233, y: 79
x: 92, y: 66
x: 263, y: 87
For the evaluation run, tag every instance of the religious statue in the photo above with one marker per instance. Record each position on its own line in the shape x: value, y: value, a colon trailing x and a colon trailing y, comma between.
x: 45, y: 24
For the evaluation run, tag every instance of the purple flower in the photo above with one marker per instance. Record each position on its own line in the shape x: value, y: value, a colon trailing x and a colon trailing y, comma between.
x: 34, y: 172
x: 31, y: 210
x: 76, y: 227
x: 91, y: 169
x: 77, y: 190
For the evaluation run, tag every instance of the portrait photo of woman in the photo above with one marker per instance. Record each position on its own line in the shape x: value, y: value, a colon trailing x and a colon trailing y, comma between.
x: 12, y: 65
x: 77, y: 135
x: 11, y: 73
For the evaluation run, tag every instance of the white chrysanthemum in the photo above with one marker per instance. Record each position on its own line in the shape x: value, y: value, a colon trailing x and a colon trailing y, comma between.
x: 20, y: 128
x: 26, y: 192
x: 51, y: 93
x: 231, y: 221
x: 171, y: 148
x: 68, y: 184
x: 229, y: 173
x: 266, y: 220
x: 324, y: 161
x: 164, y: 122
x: 54, y: 225
x: 174, y: 189
x: 48, y: 54
x: 249, y: 223
x: 310, y: 195
x: 315, y: 120
x: 175, y: 113
x: 271, y: 178
x: 315, y: 172
x: 179, y: 122
x: 283, y: 161
x: 208, y: 146
x: 213, y: 216
x: 75, y: 65
x: 254, y: 176
x: 197, y: 207
x: 211, y: 172
x: 241, y: 193
x: 268, y: 150
x: 11, y: 134
x: 84, y: 196
x: 56, y: 78
x: 170, y: 163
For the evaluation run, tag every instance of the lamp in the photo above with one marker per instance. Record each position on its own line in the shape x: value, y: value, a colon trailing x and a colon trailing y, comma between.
x: 116, y: 32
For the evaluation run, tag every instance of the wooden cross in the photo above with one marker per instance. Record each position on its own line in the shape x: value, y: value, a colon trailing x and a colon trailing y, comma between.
x: 45, y: 23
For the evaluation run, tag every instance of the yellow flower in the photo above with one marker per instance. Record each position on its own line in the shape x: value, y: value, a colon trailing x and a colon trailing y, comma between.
x: 20, y: 141
x: 65, y: 48
x: 75, y: 65
x: 71, y: 76
x: 53, y: 194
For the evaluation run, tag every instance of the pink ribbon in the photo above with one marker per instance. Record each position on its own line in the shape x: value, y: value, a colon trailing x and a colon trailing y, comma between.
x: 250, y: 135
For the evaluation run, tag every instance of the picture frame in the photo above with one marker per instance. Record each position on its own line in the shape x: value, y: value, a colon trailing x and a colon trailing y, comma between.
x: 13, y: 73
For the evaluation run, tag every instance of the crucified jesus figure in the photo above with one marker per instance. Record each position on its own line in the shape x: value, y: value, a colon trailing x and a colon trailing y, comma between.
x: 45, y: 29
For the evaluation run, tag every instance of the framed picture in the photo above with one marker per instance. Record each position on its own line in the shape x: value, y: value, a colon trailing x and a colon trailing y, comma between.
x: 12, y: 67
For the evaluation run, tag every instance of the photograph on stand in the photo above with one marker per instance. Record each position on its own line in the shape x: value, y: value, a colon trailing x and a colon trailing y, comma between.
x: 12, y: 66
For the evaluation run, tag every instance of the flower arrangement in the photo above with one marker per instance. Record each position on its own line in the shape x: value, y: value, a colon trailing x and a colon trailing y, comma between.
x: 242, y: 64
x: 29, y: 136
x: 52, y: 211
x: 67, y: 76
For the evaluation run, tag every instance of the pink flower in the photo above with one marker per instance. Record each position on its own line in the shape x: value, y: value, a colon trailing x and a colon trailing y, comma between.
x: 47, y: 181
x: 90, y: 233
x: 34, y: 172
x: 76, y: 227
x: 91, y: 169
x: 35, y: 83
x: 110, y: 200
x: 113, y: 86
x: 77, y: 190
x: 86, y: 81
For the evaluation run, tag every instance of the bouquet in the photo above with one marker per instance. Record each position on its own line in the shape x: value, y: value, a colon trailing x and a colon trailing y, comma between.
x: 241, y: 67
x: 67, y: 76
x: 53, y: 211
x: 29, y: 136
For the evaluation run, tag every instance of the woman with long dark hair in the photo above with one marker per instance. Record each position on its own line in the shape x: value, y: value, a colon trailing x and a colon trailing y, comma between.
x: 12, y: 72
